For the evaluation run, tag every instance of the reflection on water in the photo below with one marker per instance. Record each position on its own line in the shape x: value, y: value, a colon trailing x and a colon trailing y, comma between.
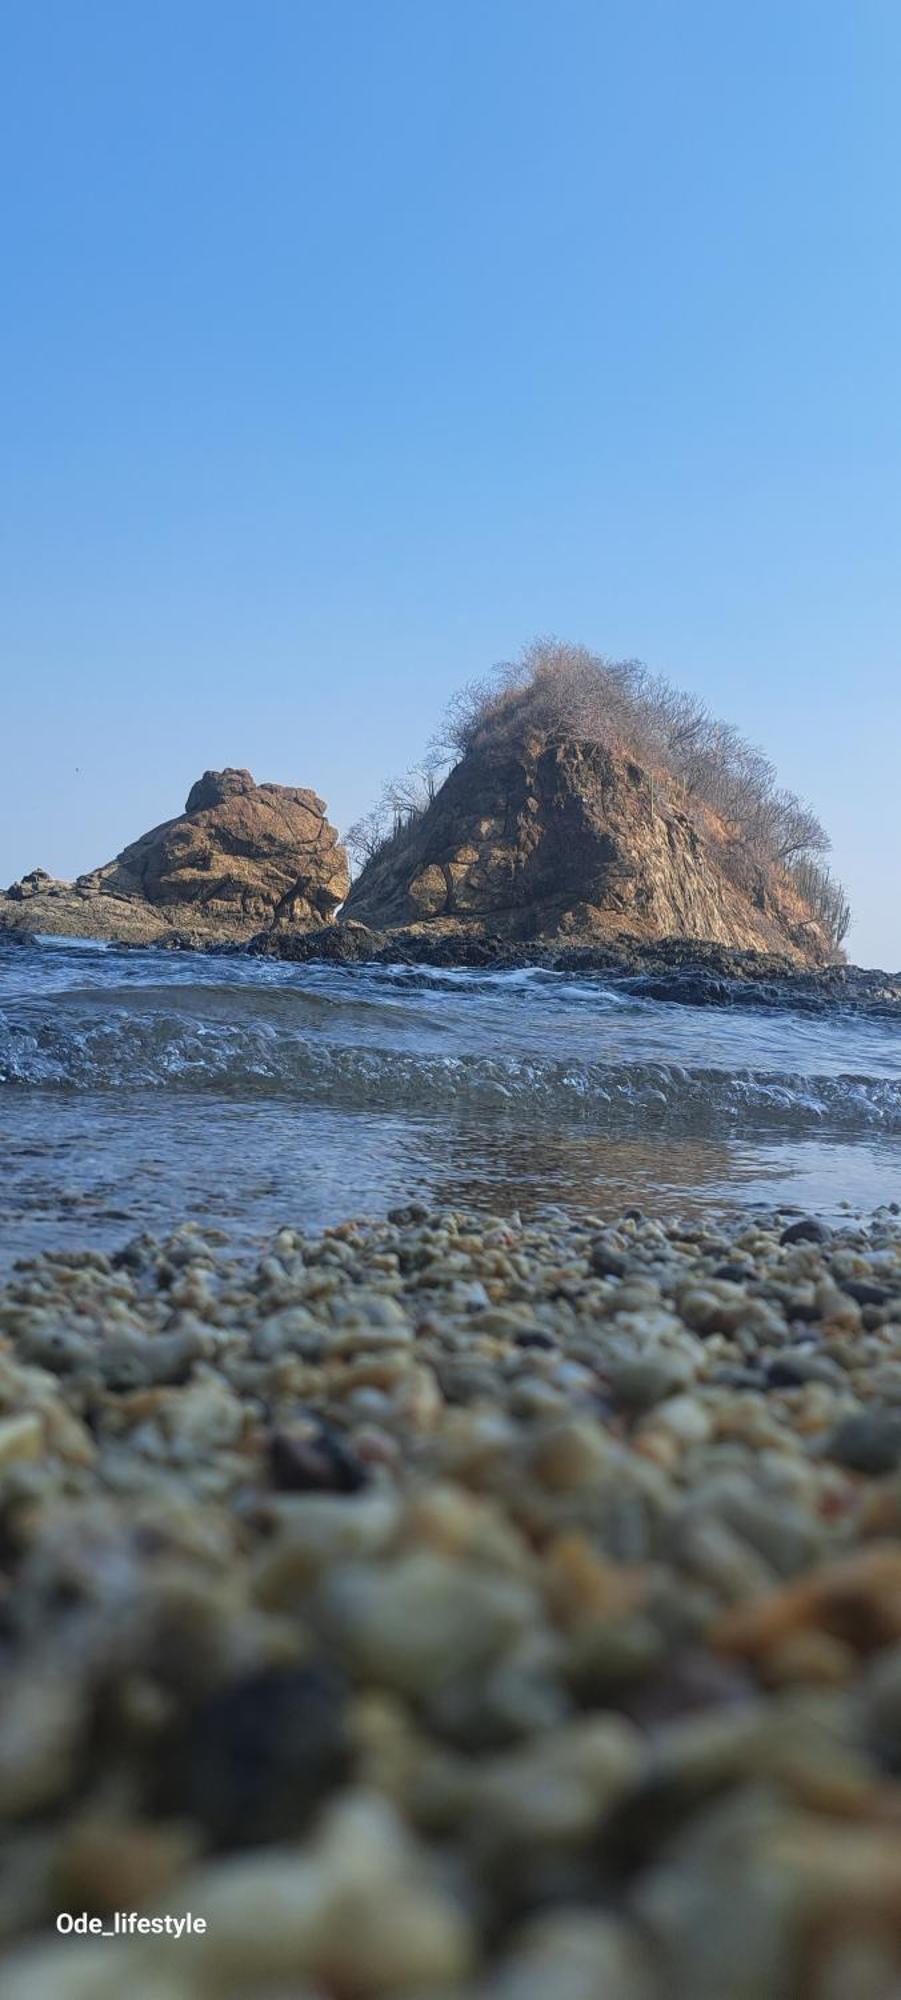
x: 97, y: 1172
x: 600, y: 1176
x: 140, y: 1088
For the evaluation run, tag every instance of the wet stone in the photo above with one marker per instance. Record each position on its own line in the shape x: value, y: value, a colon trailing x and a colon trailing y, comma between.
x: 808, y: 1230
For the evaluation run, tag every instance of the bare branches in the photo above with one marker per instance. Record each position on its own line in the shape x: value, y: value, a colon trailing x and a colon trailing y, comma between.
x: 826, y: 897
x: 365, y: 837
x: 558, y: 692
x: 403, y: 801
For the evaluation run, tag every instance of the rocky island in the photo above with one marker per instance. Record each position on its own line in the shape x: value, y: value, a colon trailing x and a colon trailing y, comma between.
x: 588, y: 806
x: 568, y: 841
x: 590, y: 802
x: 240, y: 856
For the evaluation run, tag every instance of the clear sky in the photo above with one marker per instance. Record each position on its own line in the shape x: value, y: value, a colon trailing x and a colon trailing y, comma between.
x: 347, y: 344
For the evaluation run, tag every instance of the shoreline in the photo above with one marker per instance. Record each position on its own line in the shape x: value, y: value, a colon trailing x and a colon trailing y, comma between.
x: 685, y: 971
x: 689, y: 971
x: 535, y: 1584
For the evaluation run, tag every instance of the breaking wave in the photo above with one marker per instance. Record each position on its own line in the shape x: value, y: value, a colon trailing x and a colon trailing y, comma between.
x: 264, y: 1058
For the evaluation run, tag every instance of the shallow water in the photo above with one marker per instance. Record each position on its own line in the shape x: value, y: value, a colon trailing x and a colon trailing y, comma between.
x: 137, y: 1088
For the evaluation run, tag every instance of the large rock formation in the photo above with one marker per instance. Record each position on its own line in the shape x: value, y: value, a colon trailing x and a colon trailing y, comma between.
x: 240, y: 857
x: 565, y: 840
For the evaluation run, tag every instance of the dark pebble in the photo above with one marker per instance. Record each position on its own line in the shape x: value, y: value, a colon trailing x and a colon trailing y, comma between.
x: 739, y: 1378
x: 258, y: 1756
x: 869, y: 1443
x: 322, y: 1463
x: 805, y: 1231
x: 411, y: 1211
x: 608, y: 1262
x: 784, y: 1375
x: 693, y: 1682
x: 805, y: 1313
x: 465, y: 1381
x: 791, y: 1371
x: 650, y: 1818
x: 864, y: 1294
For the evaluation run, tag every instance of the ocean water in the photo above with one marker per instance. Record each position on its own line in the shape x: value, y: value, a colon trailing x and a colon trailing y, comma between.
x: 138, y: 1089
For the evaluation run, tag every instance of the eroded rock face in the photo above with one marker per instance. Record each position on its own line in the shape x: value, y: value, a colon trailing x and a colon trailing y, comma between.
x: 564, y: 840
x: 239, y: 858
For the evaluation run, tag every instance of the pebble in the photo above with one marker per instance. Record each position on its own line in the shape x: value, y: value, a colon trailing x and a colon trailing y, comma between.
x: 457, y: 1608
x: 808, y: 1230
x: 422, y: 1620
x: 21, y: 1437
x: 579, y: 1955
x: 869, y: 1442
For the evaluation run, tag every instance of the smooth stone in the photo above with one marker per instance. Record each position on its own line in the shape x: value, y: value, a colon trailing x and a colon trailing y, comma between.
x: 808, y: 1230
x: 423, y: 1620
x: 868, y: 1443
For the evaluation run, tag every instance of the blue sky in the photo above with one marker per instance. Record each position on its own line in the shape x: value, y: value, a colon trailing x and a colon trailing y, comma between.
x: 347, y: 344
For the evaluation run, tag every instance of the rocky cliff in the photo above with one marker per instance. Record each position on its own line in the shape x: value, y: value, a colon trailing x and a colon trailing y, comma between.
x: 241, y: 856
x: 567, y: 840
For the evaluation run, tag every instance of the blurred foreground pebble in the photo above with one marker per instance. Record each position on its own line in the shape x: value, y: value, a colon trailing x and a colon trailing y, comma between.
x: 456, y: 1609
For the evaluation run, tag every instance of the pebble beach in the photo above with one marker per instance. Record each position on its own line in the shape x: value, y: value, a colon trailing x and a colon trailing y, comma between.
x: 450, y: 1207
x: 459, y: 1608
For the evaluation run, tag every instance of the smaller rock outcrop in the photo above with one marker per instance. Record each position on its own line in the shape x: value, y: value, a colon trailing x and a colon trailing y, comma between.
x: 241, y: 857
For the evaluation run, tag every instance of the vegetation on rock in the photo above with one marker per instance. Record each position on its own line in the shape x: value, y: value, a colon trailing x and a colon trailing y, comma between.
x: 556, y: 695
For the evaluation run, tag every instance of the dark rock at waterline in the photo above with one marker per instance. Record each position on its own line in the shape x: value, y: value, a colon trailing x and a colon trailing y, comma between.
x: 686, y: 972
x: 680, y: 971
x: 329, y: 944
x: 692, y: 989
x: 808, y: 1230
x: 408, y: 1212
